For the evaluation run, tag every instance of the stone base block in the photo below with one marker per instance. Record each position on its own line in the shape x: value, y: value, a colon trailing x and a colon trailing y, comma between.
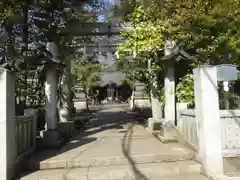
x: 80, y: 105
x: 154, y: 124
x: 66, y: 128
x: 168, y: 134
x: 51, y: 138
x: 215, y: 176
x: 142, y: 103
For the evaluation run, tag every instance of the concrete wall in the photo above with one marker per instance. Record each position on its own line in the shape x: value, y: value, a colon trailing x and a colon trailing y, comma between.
x: 25, y: 136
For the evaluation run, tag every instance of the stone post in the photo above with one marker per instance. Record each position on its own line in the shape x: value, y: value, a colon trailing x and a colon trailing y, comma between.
x: 50, y: 135
x: 8, y: 152
x: 65, y: 109
x: 132, y: 105
x: 180, y: 107
x: 208, y: 118
x: 156, y: 108
x: 81, y: 102
x: 154, y: 121
x: 169, y: 85
x: 156, y: 104
x: 141, y: 99
x: 66, y: 126
x: 169, y: 91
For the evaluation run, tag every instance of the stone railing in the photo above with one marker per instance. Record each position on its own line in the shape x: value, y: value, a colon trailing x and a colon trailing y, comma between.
x: 187, y: 127
x: 230, y: 132
x: 230, y: 119
x: 25, y: 136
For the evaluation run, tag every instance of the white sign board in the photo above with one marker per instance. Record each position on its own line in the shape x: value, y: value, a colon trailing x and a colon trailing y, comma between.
x: 227, y: 72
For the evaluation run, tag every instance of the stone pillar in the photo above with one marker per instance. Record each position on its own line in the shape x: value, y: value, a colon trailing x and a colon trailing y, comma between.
x: 51, y: 97
x: 169, y: 90
x: 8, y: 151
x: 141, y: 99
x: 208, y: 118
x: 65, y: 111
x: 180, y: 107
x: 154, y: 122
x: 132, y: 105
x: 117, y: 94
x: 156, y: 108
x: 169, y: 84
x: 80, y: 101
x: 50, y: 135
x: 156, y: 104
x: 66, y: 126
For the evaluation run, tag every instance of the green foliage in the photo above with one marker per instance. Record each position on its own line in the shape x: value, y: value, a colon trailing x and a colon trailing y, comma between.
x: 142, y: 34
x: 144, y: 39
x: 207, y: 29
x: 11, y: 13
x: 10, y: 7
x: 185, y: 89
x: 85, y: 75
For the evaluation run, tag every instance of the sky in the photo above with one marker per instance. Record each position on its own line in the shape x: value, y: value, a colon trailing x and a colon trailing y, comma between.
x: 109, y: 60
x: 101, y: 17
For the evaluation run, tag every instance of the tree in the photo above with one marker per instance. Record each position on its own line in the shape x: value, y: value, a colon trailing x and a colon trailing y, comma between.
x: 205, y: 29
x: 210, y: 33
x: 144, y: 39
x: 85, y: 75
x: 26, y: 24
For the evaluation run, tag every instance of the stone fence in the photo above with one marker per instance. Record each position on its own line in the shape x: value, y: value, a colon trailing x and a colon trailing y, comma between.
x: 230, y: 124
x: 25, y: 136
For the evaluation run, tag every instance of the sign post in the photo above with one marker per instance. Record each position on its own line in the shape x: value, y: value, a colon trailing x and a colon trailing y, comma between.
x: 226, y: 73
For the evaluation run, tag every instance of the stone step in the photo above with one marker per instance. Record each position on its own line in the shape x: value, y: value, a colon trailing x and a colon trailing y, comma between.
x: 60, y: 163
x: 182, y: 170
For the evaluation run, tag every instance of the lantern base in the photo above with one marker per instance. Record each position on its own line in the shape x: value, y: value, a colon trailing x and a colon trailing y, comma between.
x: 51, y: 139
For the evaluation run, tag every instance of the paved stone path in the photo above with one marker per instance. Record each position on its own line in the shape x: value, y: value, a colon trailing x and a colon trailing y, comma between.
x: 115, y: 147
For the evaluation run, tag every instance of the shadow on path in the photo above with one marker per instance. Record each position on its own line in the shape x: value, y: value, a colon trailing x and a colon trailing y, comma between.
x: 103, y: 121
x: 126, y: 148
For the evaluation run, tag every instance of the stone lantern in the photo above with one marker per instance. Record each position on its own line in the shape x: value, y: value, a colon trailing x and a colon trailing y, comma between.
x: 171, y: 57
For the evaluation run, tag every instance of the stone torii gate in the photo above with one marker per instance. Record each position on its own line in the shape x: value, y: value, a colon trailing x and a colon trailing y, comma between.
x: 109, y: 29
x: 172, y: 55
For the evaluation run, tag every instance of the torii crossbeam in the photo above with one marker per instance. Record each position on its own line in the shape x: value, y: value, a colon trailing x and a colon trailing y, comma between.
x: 77, y: 28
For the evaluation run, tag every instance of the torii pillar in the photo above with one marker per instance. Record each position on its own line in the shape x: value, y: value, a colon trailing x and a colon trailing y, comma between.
x: 51, y: 135
x: 66, y: 126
